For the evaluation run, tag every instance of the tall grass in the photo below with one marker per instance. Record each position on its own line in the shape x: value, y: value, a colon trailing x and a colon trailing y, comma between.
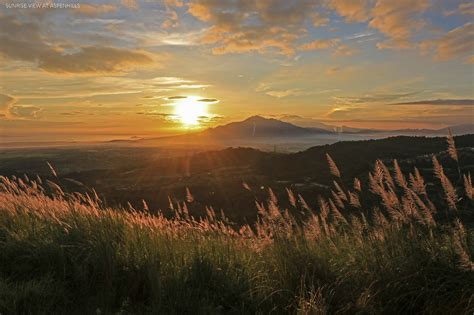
x: 68, y: 253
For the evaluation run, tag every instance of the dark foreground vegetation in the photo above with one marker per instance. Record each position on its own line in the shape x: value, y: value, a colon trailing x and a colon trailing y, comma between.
x: 122, y: 175
x: 410, y: 252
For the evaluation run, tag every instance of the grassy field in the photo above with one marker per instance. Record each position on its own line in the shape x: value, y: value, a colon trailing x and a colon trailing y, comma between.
x: 66, y: 253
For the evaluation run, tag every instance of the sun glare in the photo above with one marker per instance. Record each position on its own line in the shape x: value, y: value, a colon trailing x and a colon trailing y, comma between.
x: 190, y: 111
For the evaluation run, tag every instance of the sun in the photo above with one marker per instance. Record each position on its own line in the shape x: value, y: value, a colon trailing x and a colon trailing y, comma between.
x: 190, y: 111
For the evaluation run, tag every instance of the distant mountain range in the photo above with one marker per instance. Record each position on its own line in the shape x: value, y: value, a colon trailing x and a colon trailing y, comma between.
x: 258, y: 126
x: 268, y: 134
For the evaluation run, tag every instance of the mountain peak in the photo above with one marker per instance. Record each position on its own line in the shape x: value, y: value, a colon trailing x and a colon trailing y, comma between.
x: 257, y: 118
x: 258, y: 126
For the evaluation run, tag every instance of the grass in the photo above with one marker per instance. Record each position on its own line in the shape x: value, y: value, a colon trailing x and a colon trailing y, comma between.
x: 68, y: 254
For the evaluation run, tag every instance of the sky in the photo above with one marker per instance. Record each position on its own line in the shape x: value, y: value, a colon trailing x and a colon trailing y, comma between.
x: 119, y: 69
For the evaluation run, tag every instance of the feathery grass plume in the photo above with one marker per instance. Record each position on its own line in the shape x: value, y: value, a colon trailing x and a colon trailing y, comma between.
x: 426, y: 212
x: 260, y: 208
x: 399, y: 177
x: 468, y: 188
x: 453, y: 153
x: 379, y: 218
x: 385, y: 174
x: 55, y: 188
x: 246, y: 186
x: 340, y: 192
x: 272, y: 197
x: 170, y: 204
x: 291, y: 197
x: 417, y: 183
x: 378, y: 173
x: 465, y: 261
x: 410, y: 210
x: 312, y: 228
x: 145, y: 206
x: 337, y: 199
x: 211, y: 214
x: 357, y: 185
x: 185, y: 211
x: 336, y: 214
x: 354, y: 200
x: 323, y: 207
x: 303, y: 203
x: 449, y: 191
x: 53, y: 171
x: 189, y: 196
x: 333, y: 167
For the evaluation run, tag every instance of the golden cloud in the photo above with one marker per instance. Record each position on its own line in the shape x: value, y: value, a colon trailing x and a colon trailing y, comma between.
x: 455, y: 43
x: 94, y: 10
x: 24, y: 41
x: 251, y: 25
x: 320, y: 44
x: 397, y: 20
x: 352, y: 10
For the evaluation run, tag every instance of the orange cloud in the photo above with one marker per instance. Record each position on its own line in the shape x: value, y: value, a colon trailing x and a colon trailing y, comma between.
x: 131, y: 4
x: 320, y: 44
x: 455, y: 43
x: 24, y: 41
x: 352, y: 10
x: 174, y: 3
x: 344, y: 51
x: 94, y: 10
x: 6, y: 102
x: 91, y: 60
x: 251, y: 25
x: 397, y: 20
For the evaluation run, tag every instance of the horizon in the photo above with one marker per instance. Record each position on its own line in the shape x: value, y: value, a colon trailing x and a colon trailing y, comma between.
x: 133, y: 68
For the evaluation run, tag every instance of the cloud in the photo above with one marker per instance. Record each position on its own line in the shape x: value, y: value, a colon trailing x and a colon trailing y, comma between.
x: 176, y: 97
x: 94, y: 60
x: 171, y: 20
x: 318, y: 19
x: 345, y: 112
x: 320, y: 44
x: 9, y: 109
x: 466, y: 8
x: 24, y: 41
x: 284, y: 93
x: 352, y: 10
x: 397, y: 20
x: 332, y: 70
x: 372, y: 98
x: 94, y: 10
x: 25, y: 111
x: 6, y: 102
x: 251, y: 25
x: 174, y: 3
x: 344, y: 51
x: 443, y: 102
x: 131, y: 4
x: 455, y: 43
x: 169, y: 80
x: 208, y: 100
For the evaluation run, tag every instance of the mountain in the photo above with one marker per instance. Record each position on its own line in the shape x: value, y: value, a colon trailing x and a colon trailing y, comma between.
x: 258, y: 127
x: 271, y: 134
x: 458, y: 129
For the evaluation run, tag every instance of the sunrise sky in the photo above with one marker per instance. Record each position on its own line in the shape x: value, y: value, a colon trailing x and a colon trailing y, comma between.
x: 111, y: 69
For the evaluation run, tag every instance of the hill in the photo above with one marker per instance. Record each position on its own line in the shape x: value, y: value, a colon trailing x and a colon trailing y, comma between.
x: 382, y: 246
x: 134, y: 174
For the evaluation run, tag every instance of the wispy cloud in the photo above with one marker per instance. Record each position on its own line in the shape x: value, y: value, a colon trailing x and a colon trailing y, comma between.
x: 438, y: 102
